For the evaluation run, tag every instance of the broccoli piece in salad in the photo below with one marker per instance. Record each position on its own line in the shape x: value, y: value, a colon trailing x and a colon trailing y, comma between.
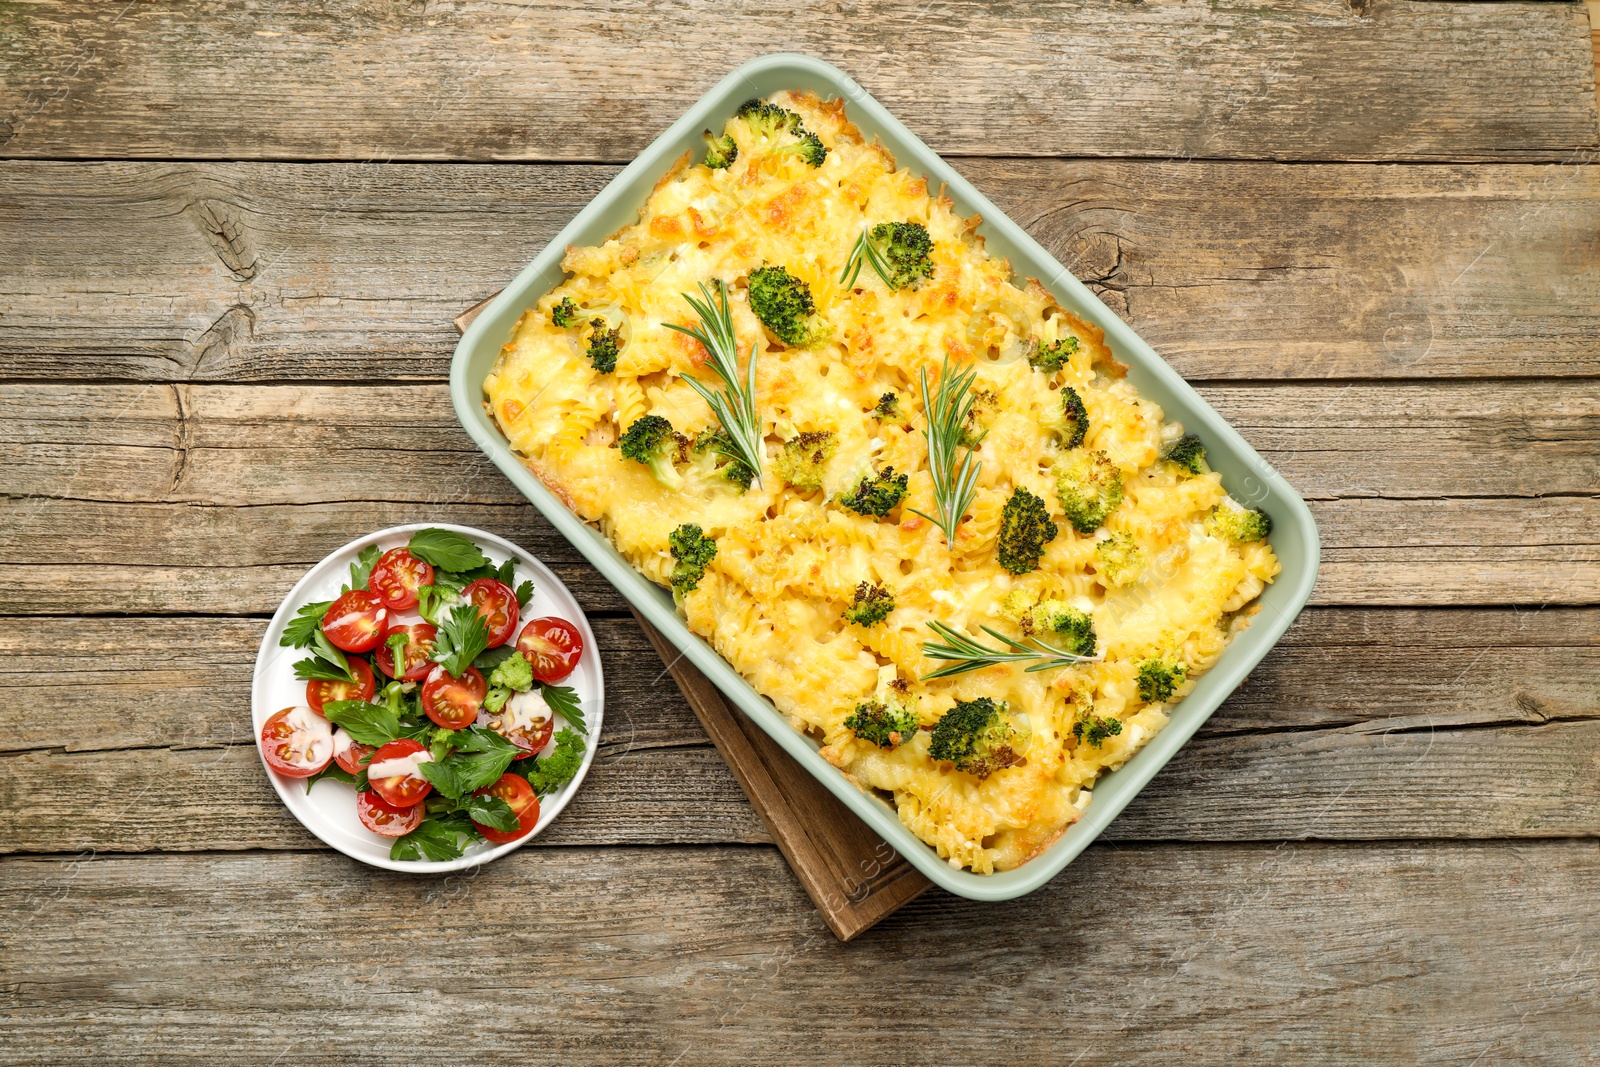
x: 877, y: 493
x: 1025, y: 528
x: 871, y: 605
x: 692, y: 552
x: 908, y: 251
x: 805, y: 458
x: 1189, y: 454
x: 652, y: 441
x: 979, y: 737
x: 604, y: 342
x: 716, y: 456
x: 1089, y: 487
x: 1118, y: 559
x: 1053, y: 355
x: 881, y: 723
x: 783, y: 304
x: 1159, y: 679
x: 565, y: 313
x: 720, y: 151
x: 1237, y: 523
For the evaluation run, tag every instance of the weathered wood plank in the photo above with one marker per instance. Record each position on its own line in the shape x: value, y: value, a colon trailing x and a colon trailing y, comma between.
x: 549, y: 81
x: 1325, y: 954
x: 173, y: 272
x: 1363, y: 724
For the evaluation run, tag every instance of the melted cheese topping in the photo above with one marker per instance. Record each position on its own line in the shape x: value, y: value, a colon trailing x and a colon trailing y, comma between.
x: 788, y: 562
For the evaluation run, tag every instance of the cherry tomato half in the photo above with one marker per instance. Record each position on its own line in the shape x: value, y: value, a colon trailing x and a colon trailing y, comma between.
x: 552, y: 646
x: 397, y: 779
x: 497, y: 602
x: 420, y: 638
x: 450, y: 701
x: 382, y: 817
x: 350, y: 754
x: 297, y: 742
x: 319, y: 692
x: 355, y: 623
x: 525, y: 721
x: 515, y: 791
x: 397, y: 576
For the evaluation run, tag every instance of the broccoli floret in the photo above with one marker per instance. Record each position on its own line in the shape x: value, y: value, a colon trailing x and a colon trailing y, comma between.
x: 1158, y: 679
x: 1075, y: 417
x: 1096, y: 728
x: 871, y: 605
x: 1053, y: 355
x: 978, y: 737
x: 888, y: 406
x: 1025, y: 528
x: 886, y: 725
x: 1089, y: 488
x: 651, y: 440
x: 603, y: 342
x: 725, y: 461
x: 693, y: 551
x: 767, y: 119
x: 972, y: 430
x: 804, y: 458
x: 1069, y: 628
x: 1189, y: 454
x: 1238, y: 524
x: 565, y: 313
x: 514, y: 673
x: 1118, y: 559
x: 907, y: 249
x: 720, y: 151
x: 876, y: 494
x: 549, y: 773
x: 809, y: 148
x: 783, y: 304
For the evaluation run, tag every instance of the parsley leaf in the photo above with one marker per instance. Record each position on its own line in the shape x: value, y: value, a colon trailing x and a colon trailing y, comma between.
x: 506, y: 574
x: 437, y: 839
x: 323, y: 649
x: 313, y: 669
x: 446, y: 549
x: 297, y: 632
x: 564, y: 698
x: 490, y: 811
x: 493, y: 657
x: 338, y: 774
x: 524, y: 594
x: 462, y: 638
x: 368, y: 724
x: 361, y: 569
x: 482, y: 756
x: 557, y: 769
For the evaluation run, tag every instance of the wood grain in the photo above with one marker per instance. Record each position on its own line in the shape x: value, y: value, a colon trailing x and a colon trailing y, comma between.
x: 1323, y: 954
x: 251, y: 272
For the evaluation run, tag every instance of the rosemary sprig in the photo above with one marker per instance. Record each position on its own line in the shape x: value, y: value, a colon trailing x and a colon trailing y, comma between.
x: 968, y: 654
x: 955, y: 483
x: 736, y: 407
x: 865, y: 253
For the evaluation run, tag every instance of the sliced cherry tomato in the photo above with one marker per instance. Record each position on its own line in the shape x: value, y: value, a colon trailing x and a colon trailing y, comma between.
x: 497, y: 602
x: 450, y: 701
x: 397, y: 576
x: 350, y: 754
x: 356, y: 621
x: 297, y: 742
x: 382, y: 817
x: 525, y: 721
x: 394, y: 775
x: 319, y: 692
x: 515, y: 791
x: 420, y: 638
x: 552, y: 646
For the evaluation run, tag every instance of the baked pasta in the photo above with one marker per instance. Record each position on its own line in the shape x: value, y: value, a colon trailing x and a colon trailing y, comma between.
x: 974, y: 615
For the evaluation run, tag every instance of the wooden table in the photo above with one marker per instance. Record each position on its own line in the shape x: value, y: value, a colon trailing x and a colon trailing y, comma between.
x: 233, y: 240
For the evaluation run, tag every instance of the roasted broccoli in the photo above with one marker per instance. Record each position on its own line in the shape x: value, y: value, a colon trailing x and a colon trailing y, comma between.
x: 1089, y: 488
x: 1189, y: 454
x: 1025, y: 528
x: 1061, y: 624
x: 1096, y: 728
x: 1075, y: 417
x: 1158, y: 679
x: 888, y: 406
x: 809, y: 148
x: 978, y: 736
x: 973, y: 430
x: 770, y: 121
x: 603, y: 342
x: 1118, y: 559
x: 885, y: 724
x: 1237, y: 523
x: 651, y: 440
x: 783, y: 304
x: 692, y: 552
x: 876, y: 494
x: 871, y: 605
x: 907, y: 250
x: 805, y: 458
x: 715, y: 452
x: 565, y: 313
x: 1053, y: 355
x: 720, y: 151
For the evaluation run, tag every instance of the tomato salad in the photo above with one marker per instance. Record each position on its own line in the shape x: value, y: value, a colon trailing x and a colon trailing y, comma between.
x: 423, y: 693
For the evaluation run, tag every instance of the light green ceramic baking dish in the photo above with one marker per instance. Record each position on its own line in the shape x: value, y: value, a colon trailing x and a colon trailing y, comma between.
x: 1247, y: 475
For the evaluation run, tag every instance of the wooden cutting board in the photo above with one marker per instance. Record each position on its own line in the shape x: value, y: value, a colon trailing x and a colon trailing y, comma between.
x: 851, y: 874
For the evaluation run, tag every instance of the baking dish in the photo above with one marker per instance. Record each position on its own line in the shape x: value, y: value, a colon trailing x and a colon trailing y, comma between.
x: 1248, y: 477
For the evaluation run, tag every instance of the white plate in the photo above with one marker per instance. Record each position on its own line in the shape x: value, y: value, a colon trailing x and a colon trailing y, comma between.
x: 329, y: 810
